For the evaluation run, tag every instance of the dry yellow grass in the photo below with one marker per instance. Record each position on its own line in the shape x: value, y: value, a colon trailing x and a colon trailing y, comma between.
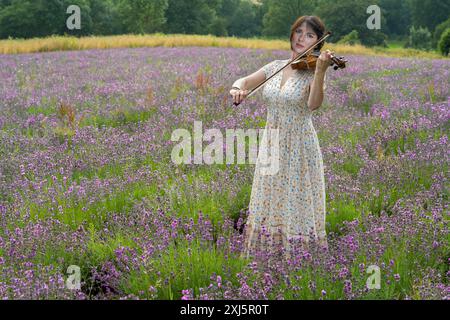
x: 57, y: 43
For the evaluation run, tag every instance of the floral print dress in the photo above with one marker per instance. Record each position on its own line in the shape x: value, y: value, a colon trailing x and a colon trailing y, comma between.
x: 287, y: 205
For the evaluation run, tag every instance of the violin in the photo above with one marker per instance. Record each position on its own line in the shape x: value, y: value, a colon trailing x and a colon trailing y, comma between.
x: 309, y: 62
x: 305, y: 61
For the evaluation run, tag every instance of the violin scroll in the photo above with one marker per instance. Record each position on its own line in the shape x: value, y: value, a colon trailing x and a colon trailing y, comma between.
x: 338, y: 61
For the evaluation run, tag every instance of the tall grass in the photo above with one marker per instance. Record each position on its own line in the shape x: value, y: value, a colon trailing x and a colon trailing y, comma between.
x: 60, y: 43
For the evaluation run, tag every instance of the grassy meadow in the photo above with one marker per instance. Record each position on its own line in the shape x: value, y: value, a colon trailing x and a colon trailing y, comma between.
x: 86, y: 176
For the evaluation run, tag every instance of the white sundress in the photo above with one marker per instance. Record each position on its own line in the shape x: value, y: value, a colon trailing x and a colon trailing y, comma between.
x: 290, y: 200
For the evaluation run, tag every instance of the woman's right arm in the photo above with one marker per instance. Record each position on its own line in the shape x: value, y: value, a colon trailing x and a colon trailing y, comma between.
x: 251, y: 81
x: 246, y: 84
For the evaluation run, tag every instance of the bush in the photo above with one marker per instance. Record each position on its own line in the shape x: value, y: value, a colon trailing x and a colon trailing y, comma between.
x: 419, y: 38
x: 351, y: 38
x: 374, y: 38
x: 444, y: 42
x: 439, y: 31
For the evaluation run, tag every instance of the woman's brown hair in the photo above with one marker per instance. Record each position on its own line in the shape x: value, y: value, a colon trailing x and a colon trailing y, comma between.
x: 314, y: 23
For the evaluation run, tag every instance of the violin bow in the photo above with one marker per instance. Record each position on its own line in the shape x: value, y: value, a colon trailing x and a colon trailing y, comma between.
x: 297, y: 58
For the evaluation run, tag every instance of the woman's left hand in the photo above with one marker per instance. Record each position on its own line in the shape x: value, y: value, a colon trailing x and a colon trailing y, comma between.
x: 324, y: 60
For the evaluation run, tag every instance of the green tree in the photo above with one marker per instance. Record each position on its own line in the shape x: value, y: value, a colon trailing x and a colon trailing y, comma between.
x: 419, y: 38
x: 219, y: 27
x: 220, y: 22
x: 225, y: 12
x: 262, y: 7
x: 143, y: 16
x: 346, y: 15
x: 444, y: 42
x: 190, y: 16
x: 244, y: 21
x: 4, y: 3
x: 18, y: 20
x: 439, y: 31
x: 429, y: 13
x: 38, y: 18
x: 351, y: 38
x: 398, y: 17
x: 282, y: 14
x: 105, y: 17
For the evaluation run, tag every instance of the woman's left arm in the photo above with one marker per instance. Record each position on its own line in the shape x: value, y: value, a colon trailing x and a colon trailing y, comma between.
x: 315, y: 98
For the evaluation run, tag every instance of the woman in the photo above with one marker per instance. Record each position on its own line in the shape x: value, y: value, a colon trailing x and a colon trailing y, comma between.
x: 290, y: 204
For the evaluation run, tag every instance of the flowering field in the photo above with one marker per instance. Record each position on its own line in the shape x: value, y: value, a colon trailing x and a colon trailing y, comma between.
x: 86, y: 179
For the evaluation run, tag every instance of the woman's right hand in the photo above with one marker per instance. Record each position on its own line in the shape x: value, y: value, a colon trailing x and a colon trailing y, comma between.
x: 238, y: 95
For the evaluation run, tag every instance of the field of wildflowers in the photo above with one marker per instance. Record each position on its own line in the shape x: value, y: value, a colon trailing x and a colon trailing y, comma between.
x: 86, y: 178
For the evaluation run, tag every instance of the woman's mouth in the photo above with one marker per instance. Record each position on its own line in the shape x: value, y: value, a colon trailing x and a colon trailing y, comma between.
x: 299, y: 46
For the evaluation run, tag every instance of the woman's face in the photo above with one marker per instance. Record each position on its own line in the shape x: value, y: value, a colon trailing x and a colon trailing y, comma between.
x: 303, y: 37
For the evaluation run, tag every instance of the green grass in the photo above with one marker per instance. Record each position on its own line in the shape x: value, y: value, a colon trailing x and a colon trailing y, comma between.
x: 186, y: 204
x: 357, y: 90
x: 115, y: 169
x: 302, y: 279
x: 408, y: 264
x: 396, y: 44
x: 406, y: 142
x: 47, y: 107
x: 93, y: 255
x: 421, y: 180
x: 119, y: 118
x: 182, y: 266
x: 390, y: 72
x: 75, y: 212
x: 359, y: 134
x: 340, y: 210
x: 101, y: 250
x: 351, y: 165
x: 188, y: 198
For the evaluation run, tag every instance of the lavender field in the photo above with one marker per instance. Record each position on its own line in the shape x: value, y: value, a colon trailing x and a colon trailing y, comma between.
x: 86, y: 179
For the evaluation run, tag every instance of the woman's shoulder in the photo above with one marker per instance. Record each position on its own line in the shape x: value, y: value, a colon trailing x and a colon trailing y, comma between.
x: 280, y: 61
x: 270, y: 67
x: 277, y: 63
x: 274, y: 62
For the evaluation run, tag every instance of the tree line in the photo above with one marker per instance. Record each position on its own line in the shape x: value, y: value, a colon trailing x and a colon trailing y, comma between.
x: 421, y: 22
